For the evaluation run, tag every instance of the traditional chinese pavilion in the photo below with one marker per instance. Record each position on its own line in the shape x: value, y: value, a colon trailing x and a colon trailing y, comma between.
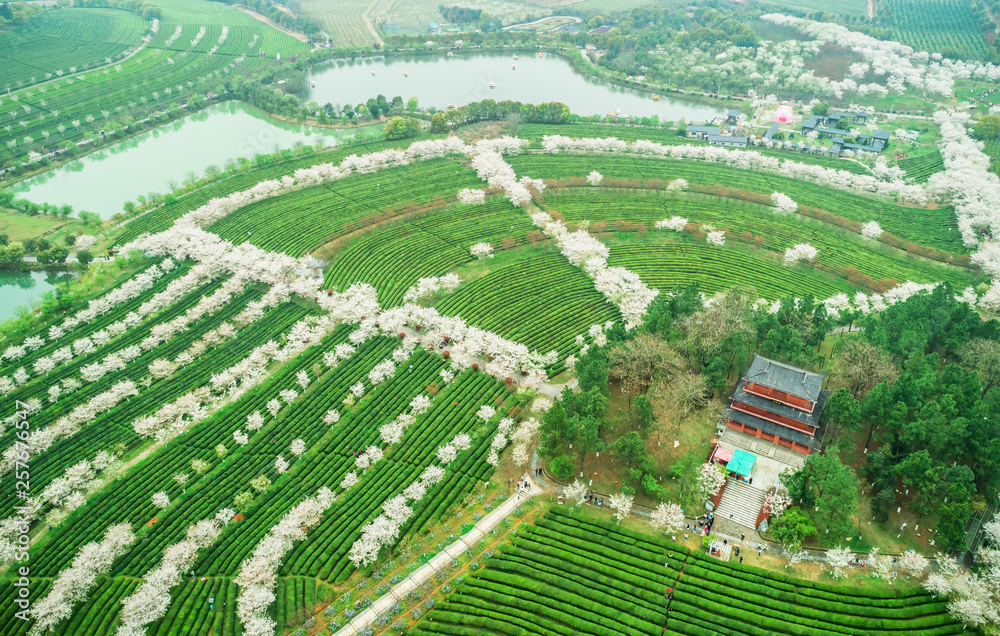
x: 779, y: 403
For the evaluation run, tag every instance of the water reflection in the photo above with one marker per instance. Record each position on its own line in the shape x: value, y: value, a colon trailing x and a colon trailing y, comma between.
x: 103, y: 181
x: 436, y: 80
x: 19, y: 289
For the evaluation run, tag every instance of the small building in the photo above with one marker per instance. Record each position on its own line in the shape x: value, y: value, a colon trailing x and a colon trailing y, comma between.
x: 880, y: 139
x: 733, y: 117
x: 815, y: 122
x: 599, y: 30
x: 728, y: 141
x: 779, y: 403
x: 702, y: 132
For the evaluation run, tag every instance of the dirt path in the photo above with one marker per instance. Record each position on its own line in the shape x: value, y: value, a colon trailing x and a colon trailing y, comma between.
x: 42, y: 529
x: 368, y: 22
x: 269, y: 22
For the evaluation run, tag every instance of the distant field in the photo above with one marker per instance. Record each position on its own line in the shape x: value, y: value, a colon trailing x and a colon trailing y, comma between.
x: 67, y: 38
x: 189, y: 50
x: 940, y: 26
x: 850, y: 7
x: 343, y: 20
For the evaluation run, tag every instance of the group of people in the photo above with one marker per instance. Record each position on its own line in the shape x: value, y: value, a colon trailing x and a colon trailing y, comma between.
x: 703, y: 524
x: 591, y: 498
x: 984, y: 99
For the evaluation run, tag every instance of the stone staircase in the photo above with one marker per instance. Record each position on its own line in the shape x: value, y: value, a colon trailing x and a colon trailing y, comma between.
x: 762, y: 447
x: 742, y: 501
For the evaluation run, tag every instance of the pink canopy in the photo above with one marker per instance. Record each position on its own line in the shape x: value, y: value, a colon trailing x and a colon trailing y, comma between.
x: 723, y: 454
x: 783, y: 115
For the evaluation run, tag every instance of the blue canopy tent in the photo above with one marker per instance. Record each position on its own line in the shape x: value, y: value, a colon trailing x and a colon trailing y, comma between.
x: 741, y: 463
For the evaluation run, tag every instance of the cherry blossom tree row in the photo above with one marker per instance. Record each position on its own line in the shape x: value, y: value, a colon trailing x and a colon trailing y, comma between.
x: 620, y: 286
x: 497, y: 173
x: 230, y: 384
x: 966, y: 178
x: 384, y: 529
x: 357, y: 305
x: 67, y: 492
x: 431, y: 285
x: 128, y: 290
x: 744, y: 160
x: 391, y: 434
x: 975, y: 597
x: 258, y: 576
x: 75, y: 582
x: 524, y: 438
x: 159, y: 333
x: 900, y: 64
x: 151, y: 599
x: 189, y: 408
x: 68, y: 425
x: 165, y: 332
x: 504, y: 358
x: 219, y: 208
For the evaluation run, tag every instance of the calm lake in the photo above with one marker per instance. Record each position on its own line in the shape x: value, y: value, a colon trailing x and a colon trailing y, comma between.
x: 101, y: 182
x: 23, y: 288
x: 437, y: 80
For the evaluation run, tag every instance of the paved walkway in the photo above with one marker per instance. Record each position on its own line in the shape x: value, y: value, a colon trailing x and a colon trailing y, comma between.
x: 441, y: 560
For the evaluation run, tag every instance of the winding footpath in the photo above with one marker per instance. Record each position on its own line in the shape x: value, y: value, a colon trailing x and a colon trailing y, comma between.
x: 441, y: 560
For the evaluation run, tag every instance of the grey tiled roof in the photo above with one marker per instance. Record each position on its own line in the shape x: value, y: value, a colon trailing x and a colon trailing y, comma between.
x: 775, y: 429
x: 783, y: 377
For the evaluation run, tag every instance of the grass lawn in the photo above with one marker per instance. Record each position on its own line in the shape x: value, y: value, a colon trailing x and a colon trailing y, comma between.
x: 21, y: 227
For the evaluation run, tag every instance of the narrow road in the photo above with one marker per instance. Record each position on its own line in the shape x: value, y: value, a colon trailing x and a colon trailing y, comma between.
x: 368, y: 22
x: 271, y: 23
x: 441, y: 560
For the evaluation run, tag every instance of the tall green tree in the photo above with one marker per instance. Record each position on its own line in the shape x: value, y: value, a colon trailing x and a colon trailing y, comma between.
x: 642, y: 413
x: 592, y: 371
x: 791, y: 528
x: 631, y: 448
x: 842, y: 414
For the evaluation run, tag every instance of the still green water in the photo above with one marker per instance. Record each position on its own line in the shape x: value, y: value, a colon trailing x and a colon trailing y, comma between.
x: 147, y: 163
x: 23, y: 288
x: 101, y: 182
x: 438, y: 80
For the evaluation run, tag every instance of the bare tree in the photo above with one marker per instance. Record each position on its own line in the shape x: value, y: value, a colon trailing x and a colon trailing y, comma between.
x: 983, y: 357
x: 689, y: 391
x: 730, y: 314
x: 862, y: 366
x: 637, y: 361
